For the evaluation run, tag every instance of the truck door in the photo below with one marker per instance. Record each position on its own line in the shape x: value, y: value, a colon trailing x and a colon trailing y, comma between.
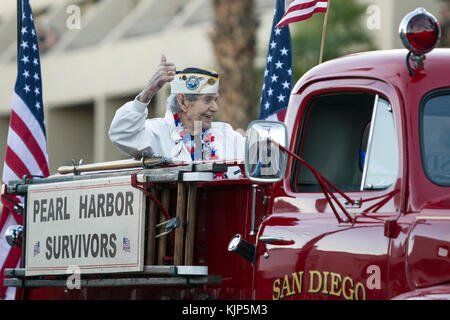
x: 428, y: 243
x: 307, y: 250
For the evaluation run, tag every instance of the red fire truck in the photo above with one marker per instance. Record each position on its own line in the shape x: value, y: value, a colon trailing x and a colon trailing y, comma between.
x: 347, y: 199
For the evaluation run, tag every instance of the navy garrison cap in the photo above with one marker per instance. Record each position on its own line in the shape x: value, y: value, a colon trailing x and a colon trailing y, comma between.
x: 195, y: 81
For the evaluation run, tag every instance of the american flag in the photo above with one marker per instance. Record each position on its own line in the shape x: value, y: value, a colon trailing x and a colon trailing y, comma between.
x: 126, y: 245
x: 301, y: 10
x: 37, y: 248
x: 278, y: 73
x: 26, y: 150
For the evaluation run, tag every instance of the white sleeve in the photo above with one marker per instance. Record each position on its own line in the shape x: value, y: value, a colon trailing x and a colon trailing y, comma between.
x: 238, y: 153
x: 131, y: 132
x: 238, y: 143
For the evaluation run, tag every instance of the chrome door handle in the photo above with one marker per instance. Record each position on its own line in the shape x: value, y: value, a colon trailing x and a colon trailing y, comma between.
x: 275, y: 240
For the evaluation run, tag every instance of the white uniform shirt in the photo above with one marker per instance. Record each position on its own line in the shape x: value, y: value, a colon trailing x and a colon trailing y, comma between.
x: 134, y: 135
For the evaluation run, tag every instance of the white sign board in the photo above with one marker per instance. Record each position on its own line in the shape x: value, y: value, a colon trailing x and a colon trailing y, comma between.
x: 96, y: 225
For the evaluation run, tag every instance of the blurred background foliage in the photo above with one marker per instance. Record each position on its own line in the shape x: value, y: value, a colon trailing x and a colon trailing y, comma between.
x: 345, y: 33
x: 445, y: 24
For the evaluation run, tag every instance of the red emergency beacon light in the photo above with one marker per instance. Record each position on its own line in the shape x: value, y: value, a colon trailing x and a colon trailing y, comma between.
x: 420, y: 33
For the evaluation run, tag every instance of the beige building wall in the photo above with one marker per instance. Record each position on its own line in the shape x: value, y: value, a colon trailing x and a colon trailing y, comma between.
x: 391, y: 13
x: 92, y: 70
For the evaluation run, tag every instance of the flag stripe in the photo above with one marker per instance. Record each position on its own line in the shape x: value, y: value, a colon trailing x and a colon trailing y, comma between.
x: 12, y: 159
x: 301, y: 17
x: 8, y: 174
x: 301, y: 10
x: 12, y: 258
x: 301, y: 4
x: 22, y: 110
x: 20, y: 148
x: 22, y: 131
x: 298, y: 12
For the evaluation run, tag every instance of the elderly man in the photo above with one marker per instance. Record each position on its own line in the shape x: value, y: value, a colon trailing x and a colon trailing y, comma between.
x: 187, y: 131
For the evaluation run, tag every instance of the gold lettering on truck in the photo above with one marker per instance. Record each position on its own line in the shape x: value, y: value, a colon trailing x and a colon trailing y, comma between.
x: 320, y: 282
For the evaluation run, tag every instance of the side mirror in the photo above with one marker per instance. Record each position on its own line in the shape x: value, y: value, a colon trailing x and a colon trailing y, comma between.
x: 264, y: 161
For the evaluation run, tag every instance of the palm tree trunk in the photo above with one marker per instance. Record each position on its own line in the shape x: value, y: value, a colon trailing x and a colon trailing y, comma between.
x: 445, y: 25
x: 234, y: 39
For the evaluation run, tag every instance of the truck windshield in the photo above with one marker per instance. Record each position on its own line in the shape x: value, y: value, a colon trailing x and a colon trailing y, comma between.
x: 435, y: 135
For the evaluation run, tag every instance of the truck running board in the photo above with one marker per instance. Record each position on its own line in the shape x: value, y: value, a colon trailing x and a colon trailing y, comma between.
x: 151, y: 276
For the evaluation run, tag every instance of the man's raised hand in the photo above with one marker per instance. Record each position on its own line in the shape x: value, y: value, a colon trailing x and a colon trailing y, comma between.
x: 165, y: 72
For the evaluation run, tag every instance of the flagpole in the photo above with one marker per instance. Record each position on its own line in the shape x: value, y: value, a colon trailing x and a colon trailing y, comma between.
x: 19, y: 24
x: 324, y: 30
x: 19, y: 29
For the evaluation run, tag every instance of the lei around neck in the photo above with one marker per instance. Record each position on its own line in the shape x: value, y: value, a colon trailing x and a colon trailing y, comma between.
x: 209, y: 151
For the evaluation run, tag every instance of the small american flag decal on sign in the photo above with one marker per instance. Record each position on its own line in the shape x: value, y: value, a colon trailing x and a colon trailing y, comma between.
x: 126, y: 244
x: 37, y: 248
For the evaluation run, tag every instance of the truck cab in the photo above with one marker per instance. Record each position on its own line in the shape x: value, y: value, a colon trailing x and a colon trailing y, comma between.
x: 378, y: 130
x: 381, y: 137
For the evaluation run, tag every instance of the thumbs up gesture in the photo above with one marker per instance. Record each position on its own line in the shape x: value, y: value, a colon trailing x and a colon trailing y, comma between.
x: 165, y: 72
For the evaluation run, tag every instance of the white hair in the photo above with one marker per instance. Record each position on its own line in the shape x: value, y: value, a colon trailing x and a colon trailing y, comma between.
x: 172, y: 102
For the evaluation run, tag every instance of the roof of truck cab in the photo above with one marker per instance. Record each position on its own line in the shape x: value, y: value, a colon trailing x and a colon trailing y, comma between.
x: 385, y: 65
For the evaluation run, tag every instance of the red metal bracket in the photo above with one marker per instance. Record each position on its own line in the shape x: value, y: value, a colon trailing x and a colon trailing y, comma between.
x: 143, y: 186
